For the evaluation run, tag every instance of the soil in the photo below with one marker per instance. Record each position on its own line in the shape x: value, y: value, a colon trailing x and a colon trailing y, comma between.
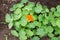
x: 4, y: 8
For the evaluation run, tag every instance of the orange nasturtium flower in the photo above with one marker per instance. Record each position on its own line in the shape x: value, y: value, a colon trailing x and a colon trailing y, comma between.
x: 30, y: 18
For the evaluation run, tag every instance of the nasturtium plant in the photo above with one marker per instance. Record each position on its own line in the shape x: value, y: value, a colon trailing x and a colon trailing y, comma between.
x: 33, y: 20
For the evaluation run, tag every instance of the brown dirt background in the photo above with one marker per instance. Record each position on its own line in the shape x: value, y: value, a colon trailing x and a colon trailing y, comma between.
x: 4, y: 8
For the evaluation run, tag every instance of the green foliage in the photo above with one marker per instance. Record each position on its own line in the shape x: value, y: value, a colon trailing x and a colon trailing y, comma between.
x: 50, y: 29
x: 10, y: 25
x: 53, y: 9
x: 16, y: 15
x: 14, y: 32
x: 38, y: 8
x: 35, y: 38
x: 31, y: 4
x: 58, y: 8
x: 23, y: 21
x: 45, y: 21
x: 17, y: 11
x: 22, y: 35
x: 19, y: 5
x: 58, y: 23
x: 59, y: 38
x: 57, y: 14
x: 8, y: 18
x: 40, y: 17
x: 51, y: 35
x: 24, y: 1
x: 29, y: 33
x: 17, y: 25
x: 45, y: 9
x: 57, y: 30
x: 54, y: 38
x: 41, y: 32
x: 31, y: 25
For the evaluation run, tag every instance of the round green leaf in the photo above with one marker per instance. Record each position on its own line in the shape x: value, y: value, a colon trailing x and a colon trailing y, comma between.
x: 35, y: 38
x: 53, y: 9
x: 23, y: 21
x: 29, y: 33
x: 38, y: 8
x: 58, y: 23
x: 14, y: 32
x: 7, y: 18
x: 24, y: 1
